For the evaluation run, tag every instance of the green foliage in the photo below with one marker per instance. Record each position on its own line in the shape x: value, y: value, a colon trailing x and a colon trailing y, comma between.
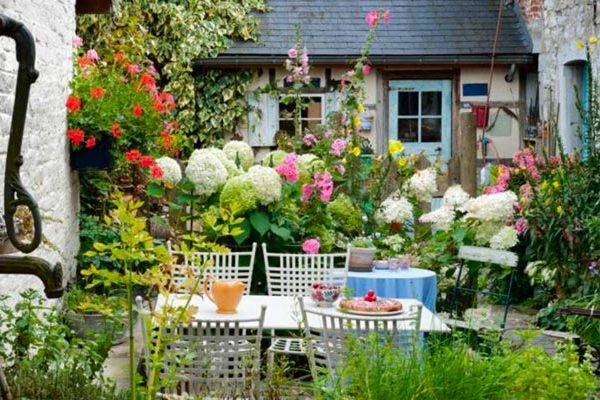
x: 377, y: 369
x: 346, y: 215
x: 84, y: 302
x: 91, y: 230
x: 173, y: 35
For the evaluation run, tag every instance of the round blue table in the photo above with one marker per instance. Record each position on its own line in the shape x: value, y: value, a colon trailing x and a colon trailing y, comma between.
x: 414, y: 283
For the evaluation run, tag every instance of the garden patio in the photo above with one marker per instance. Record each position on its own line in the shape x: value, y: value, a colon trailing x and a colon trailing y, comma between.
x: 247, y: 232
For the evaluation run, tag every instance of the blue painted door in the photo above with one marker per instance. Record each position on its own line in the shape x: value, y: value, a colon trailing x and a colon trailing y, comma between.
x: 420, y: 114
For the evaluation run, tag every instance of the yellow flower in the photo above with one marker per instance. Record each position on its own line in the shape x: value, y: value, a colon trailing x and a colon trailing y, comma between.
x: 555, y: 184
x: 402, y: 162
x: 579, y: 44
x: 360, y: 108
x: 544, y: 185
x: 593, y: 40
x: 396, y: 146
x: 559, y: 210
x: 356, y: 121
x: 356, y: 151
x: 344, y: 161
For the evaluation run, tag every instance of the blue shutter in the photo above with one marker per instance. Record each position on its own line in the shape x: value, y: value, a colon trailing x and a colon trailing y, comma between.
x: 263, y: 121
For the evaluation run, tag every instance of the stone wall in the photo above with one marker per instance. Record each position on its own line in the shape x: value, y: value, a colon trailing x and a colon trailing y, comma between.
x: 556, y: 31
x: 46, y: 173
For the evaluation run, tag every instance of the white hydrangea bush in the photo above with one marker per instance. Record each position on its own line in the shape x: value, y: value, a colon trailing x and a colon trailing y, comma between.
x: 395, y: 208
x: 422, y: 185
x: 505, y: 238
x: 171, y: 170
x: 206, y: 172
x: 491, y: 207
x: 440, y: 219
x: 236, y: 149
x: 267, y: 184
x: 455, y: 197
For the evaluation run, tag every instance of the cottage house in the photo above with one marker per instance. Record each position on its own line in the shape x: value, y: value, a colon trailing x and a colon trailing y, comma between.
x: 432, y: 60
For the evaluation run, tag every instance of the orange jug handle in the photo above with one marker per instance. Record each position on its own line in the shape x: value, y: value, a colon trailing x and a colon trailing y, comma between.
x: 208, y: 278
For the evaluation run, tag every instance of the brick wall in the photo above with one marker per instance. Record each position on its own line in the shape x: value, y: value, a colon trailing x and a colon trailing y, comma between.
x: 46, y: 172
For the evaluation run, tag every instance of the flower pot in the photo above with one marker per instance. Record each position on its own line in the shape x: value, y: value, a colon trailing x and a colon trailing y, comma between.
x: 361, y: 259
x: 86, y: 326
x: 97, y: 157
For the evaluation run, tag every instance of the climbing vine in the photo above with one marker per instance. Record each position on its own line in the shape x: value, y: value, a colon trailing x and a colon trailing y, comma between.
x: 173, y: 34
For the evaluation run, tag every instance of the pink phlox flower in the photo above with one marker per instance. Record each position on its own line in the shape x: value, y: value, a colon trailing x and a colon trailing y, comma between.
x: 386, y: 17
x: 133, y: 68
x: 337, y: 147
x: 288, y: 168
x: 307, y: 191
x: 324, y: 183
x: 93, y: 55
x: 309, y: 139
x: 340, y: 168
x: 521, y: 225
x: 311, y: 246
x: 77, y: 42
x: 372, y: 18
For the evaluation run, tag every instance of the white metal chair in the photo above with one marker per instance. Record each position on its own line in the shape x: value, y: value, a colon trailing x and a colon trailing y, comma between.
x: 489, y: 256
x: 225, y: 357
x: 292, y: 275
x: 327, y: 332
x: 235, y: 265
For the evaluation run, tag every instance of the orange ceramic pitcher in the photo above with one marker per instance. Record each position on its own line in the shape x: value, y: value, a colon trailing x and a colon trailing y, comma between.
x: 225, y: 294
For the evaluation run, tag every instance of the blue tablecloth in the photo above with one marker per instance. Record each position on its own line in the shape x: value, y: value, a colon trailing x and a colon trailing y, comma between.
x: 414, y: 283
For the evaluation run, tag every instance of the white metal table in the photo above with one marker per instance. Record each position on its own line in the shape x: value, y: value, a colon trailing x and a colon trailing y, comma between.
x: 283, y: 312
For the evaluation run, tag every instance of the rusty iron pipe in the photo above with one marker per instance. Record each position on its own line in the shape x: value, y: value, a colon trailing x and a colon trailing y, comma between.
x: 50, y: 275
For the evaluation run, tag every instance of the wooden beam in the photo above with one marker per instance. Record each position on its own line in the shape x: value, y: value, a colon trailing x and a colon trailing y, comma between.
x: 468, y: 152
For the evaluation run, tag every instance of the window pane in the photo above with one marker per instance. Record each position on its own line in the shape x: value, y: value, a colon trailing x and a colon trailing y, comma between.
x: 287, y: 126
x: 408, y: 130
x: 286, y: 111
x: 313, y: 109
x: 431, y: 130
x: 408, y: 103
x: 431, y: 103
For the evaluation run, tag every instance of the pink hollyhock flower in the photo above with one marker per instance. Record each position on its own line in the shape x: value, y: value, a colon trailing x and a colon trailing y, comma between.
x: 386, y: 17
x: 311, y: 246
x: 288, y: 168
x: 366, y: 69
x: 337, y: 147
x: 77, y: 42
x: 93, y: 55
x: 304, y: 57
x: 307, y: 191
x: 289, y: 79
x: 292, y: 53
x: 521, y: 225
x: 372, y: 18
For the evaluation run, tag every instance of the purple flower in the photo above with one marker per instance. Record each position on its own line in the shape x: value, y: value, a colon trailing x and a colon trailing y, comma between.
x: 93, y: 55
x: 77, y: 42
x: 337, y: 147
x: 309, y: 139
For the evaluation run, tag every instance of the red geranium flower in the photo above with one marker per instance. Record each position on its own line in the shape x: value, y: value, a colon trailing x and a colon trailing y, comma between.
x: 84, y: 61
x: 159, y: 105
x: 148, y: 81
x: 116, y: 130
x: 76, y: 136
x: 97, y: 92
x: 133, y: 155
x: 147, y: 161
x: 156, y: 171
x: 137, y: 110
x: 91, y: 142
x: 73, y: 103
x: 168, y: 98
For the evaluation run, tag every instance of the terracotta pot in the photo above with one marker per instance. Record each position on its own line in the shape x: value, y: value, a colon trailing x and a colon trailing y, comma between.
x: 225, y: 294
x: 361, y: 259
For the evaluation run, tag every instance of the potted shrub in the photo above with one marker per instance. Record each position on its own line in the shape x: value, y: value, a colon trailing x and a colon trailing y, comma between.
x: 115, y: 107
x: 89, y: 314
x: 361, y: 255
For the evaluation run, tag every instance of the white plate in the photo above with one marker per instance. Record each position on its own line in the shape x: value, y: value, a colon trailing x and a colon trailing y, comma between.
x: 370, y: 313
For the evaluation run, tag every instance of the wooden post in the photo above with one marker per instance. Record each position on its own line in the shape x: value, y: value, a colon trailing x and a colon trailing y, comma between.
x: 468, y: 152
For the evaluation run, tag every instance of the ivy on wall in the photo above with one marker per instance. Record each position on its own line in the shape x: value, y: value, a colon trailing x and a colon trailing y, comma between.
x: 173, y: 34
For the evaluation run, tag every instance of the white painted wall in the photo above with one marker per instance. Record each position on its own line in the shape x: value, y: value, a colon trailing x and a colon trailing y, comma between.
x: 46, y: 172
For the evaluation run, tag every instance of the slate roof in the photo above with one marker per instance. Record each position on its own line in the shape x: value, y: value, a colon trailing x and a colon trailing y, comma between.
x: 449, y: 31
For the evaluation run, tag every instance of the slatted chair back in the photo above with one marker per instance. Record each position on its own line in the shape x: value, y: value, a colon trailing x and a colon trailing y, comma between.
x: 235, y: 265
x: 215, y: 357
x: 328, y: 333
x: 488, y: 256
x: 293, y: 274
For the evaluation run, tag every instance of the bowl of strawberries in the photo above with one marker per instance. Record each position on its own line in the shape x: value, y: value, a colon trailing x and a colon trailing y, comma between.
x: 325, y: 294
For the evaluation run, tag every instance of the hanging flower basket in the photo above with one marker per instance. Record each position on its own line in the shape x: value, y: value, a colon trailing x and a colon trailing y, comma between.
x: 98, y: 157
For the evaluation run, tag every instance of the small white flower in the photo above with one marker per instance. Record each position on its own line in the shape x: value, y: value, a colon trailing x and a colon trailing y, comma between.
x: 267, y: 184
x: 491, y: 207
x: 395, y: 209
x: 394, y: 242
x: 455, y: 197
x: 423, y: 184
x: 236, y: 149
x: 441, y: 219
x: 206, y: 172
x: 171, y: 170
x: 232, y: 169
x: 504, y: 239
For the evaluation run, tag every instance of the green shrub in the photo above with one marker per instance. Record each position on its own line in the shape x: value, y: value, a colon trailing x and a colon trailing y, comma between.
x: 346, y: 215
